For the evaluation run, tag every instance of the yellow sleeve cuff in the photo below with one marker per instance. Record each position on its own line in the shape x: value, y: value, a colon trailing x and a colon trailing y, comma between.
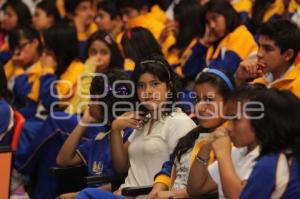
x: 164, y: 179
x: 48, y: 70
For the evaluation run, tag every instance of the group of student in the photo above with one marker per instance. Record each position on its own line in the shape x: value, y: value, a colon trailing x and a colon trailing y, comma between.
x: 192, y: 97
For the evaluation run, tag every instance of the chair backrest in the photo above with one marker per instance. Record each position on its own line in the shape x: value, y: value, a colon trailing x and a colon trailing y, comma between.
x: 5, y: 171
x: 17, y: 130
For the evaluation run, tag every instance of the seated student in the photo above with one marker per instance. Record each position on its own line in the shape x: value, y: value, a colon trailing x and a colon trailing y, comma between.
x: 137, y: 44
x: 60, y: 64
x: 16, y: 14
x: 81, y: 15
x: 264, y: 11
x: 187, y: 54
x: 6, y: 112
x: 213, y: 88
x: 136, y: 13
x: 276, y: 172
x: 45, y: 15
x: 96, y: 154
x: 24, y: 69
x: 102, y: 54
x: 108, y: 18
x: 158, y: 126
x: 275, y: 65
x: 233, y: 42
x: 233, y: 165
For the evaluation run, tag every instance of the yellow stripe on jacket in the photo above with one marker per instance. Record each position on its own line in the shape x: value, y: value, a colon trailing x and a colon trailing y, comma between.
x: 174, y: 59
x: 34, y: 73
x: 239, y: 41
x: 66, y: 88
x: 277, y: 8
x: 149, y: 22
x: 290, y: 81
x: 293, y: 6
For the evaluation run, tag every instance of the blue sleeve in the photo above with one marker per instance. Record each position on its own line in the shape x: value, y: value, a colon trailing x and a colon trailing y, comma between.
x: 84, y: 150
x: 46, y: 96
x: 166, y: 169
x: 5, y: 116
x: 127, y: 133
x: 229, y: 62
x: 261, y: 182
x: 22, y: 87
x: 196, y: 61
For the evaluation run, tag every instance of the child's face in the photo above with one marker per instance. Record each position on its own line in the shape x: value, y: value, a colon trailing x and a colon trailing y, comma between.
x: 10, y: 19
x: 84, y: 12
x: 151, y: 91
x: 128, y: 14
x: 269, y: 55
x: 25, y: 53
x: 41, y: 21
x: 209, y: 106
x: 104, y: 21
x: 216, y: 24
x: 240, y: 129
x: 100, y: 54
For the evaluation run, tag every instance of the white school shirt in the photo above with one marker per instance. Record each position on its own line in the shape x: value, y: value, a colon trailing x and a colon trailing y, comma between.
x: 242, y: 162
x: 183, y: 167
x: 147, y: 153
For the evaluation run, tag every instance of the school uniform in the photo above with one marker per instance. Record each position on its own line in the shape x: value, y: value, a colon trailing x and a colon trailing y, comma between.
x: 6, y: 122
x: 243, y: 163
x: 96, y: 154
x: 65, y: 89
x: 289, y: 81
x: 25, y: 85
x: 275, y: 11
x: 192, y: 60
x: 148, y: 152
x: 274, y: 176
x: 236, y: 46
x: 243, y: 7
x: 174, y: 174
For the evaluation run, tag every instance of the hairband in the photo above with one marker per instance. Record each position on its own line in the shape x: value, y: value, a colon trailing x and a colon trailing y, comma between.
x: 121, y: 90
x: 220, y: 74
x: 158, y: 62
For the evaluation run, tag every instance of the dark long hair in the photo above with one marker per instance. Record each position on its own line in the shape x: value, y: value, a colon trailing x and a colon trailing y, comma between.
x: 24, y: 32
x: 99, y: 86
x: 3, y: 84
x: 278, y: 129
x: 62, y: 40
x: 224, y: 8
x: 50, y: 8
x: 258, y: 11
x: 139, y: 43
x: 22, y: 11
x: 117, y: 60
x: 160, y: 68
x: 189, y: 29
x: 187, y: 142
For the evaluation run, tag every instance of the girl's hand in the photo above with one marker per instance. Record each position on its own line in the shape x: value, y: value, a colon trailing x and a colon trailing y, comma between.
x: 249, y: 69
x: 132, y: 120
x: 48, y: 60
x: 87, y: 117
x: 157, y: 187
x: 171, y: 28
x: 97, y: 63
x: 222, y: 145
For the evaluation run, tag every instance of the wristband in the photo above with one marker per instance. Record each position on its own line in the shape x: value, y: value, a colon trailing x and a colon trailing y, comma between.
x: 201, y: 160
